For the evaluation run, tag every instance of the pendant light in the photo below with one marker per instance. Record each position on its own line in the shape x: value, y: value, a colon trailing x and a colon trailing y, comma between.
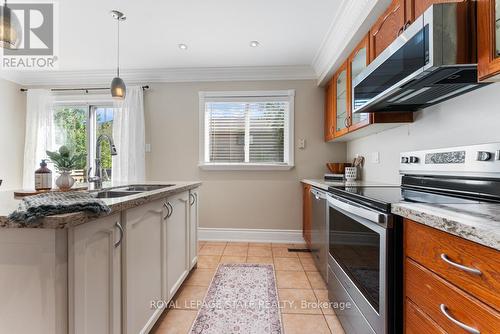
x: 10, y: 28
x: 118, y: 88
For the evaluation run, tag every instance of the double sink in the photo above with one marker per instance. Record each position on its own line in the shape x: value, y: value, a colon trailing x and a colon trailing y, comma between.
x: 130, y: 190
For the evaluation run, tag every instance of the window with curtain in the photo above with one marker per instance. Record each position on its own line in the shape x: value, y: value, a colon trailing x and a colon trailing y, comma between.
x: 78, y: 127
x: 247, y: 130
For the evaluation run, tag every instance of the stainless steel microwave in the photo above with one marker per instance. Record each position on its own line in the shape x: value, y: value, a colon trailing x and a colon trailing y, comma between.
x: 431, y: 61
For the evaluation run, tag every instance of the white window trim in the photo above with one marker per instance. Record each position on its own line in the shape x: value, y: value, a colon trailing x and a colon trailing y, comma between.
x: 289, y: 130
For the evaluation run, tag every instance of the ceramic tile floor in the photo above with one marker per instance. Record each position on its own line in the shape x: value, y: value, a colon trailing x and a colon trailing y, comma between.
x: 301, y: 289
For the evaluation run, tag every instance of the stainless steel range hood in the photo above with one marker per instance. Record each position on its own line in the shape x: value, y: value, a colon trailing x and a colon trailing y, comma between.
x: 433, y: 60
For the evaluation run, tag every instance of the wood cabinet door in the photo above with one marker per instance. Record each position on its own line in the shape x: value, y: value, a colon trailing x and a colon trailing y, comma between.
x: 415, y: 8
x: 193, y: 227
x: 417, y: 322
x: 357, y: 62
x: 341, y: 102
x: 144, y: 265
x: 177, y: 242
x: 95, y: 277
x: 442, y: 302
x: 329, y: 113
x: 306, y: 214
x: 488, y: 39
x: 387, y: 28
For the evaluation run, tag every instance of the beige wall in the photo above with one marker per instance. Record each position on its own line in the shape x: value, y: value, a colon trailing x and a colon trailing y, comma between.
x: 473, y: 118
x: 12, y: 124
x: 235, y: 199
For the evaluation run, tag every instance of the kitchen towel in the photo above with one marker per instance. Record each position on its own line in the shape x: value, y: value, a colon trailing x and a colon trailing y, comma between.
x: 53, y: 203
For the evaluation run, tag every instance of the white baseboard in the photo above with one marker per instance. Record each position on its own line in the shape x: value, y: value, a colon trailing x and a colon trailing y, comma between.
x: 250, y: 235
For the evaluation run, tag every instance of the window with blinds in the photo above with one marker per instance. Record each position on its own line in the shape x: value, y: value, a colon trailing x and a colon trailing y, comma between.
x: 246, y: 130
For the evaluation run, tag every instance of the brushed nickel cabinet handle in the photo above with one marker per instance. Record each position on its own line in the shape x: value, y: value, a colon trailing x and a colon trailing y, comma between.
x: 120, y: 228
x: 474, y: 271
x: 400, y: 31
x: 171, y: 209
x: 346, y: 122
x: 193, y: 199
x: 444, y: 310
x: 168, y: 210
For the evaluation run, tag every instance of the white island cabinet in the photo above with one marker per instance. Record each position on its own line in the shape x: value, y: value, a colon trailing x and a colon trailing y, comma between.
x: 177, y: 245
x: 193, y: 226
x: 95, y: 276
x: 144, y: 265
x: 102, y: 275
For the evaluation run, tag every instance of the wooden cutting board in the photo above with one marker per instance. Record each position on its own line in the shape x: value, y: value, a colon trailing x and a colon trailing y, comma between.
x: 24, y: 193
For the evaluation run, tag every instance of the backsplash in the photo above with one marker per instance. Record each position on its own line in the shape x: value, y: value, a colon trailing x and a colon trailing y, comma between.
x: 465, y: 120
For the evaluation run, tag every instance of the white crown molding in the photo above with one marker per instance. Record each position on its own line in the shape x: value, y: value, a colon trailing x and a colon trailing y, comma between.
x: 350, y: 25
x: 100, y: 77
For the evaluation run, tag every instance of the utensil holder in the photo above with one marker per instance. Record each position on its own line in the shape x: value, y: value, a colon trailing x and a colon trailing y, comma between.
x: 351, y: 173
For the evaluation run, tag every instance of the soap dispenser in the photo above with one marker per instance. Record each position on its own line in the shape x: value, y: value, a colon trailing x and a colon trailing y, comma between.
x: 43, y: 177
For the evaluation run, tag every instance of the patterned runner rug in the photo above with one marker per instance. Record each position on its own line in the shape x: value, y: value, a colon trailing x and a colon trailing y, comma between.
x: 242, y: 298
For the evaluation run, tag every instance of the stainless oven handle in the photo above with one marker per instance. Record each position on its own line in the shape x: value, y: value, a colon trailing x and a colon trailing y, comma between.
x: 373, y: 216
x: 317, y: 194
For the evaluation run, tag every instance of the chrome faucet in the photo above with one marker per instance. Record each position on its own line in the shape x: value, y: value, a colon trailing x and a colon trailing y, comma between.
x: 97, y: 178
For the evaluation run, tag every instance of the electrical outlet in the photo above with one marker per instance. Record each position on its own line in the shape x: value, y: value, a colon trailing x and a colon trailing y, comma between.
x: 302, y: 144
x: 375, y: 158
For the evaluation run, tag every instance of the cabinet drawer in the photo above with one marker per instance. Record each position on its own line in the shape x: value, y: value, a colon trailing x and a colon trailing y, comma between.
x: 429, y: 292
x: 429, y: 246
x: 417, y: 322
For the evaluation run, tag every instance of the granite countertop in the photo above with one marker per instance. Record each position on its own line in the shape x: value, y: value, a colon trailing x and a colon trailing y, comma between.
x: 323, y: 184
x: 8, y: 204
x: 475, y: 222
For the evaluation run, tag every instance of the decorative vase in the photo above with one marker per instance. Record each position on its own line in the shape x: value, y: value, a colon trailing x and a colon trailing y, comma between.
x: 65, y: 181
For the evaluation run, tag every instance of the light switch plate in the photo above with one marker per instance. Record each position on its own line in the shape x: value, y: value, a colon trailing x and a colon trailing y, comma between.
x: 148, y: 148
x: 375, y: 158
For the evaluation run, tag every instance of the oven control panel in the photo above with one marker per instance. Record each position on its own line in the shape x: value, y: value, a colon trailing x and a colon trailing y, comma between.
x: 476, y: 160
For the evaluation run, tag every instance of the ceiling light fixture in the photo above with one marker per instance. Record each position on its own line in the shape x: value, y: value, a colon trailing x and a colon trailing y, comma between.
x: 254, y: 44
x: 10, y: 28
x: 118, y: 88
x: 183, y: 46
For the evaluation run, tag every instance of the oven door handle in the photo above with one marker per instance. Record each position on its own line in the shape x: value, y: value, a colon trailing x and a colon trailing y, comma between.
x: 318, y: 194
x: 370, y: 215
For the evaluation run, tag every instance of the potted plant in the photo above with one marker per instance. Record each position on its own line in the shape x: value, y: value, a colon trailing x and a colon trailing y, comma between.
x: 65, y: 162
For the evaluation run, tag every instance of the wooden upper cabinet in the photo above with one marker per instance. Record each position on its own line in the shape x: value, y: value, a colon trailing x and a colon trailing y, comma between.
x: 415, y: 8
x: 488, y: 38
x: 341, y: 102
x: 329, y: 113
x: 357, y: 62
x: 387, y: 28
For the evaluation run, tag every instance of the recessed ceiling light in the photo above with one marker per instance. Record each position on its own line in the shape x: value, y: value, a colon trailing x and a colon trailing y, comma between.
x: 254, y: 44
x: 183, y: 46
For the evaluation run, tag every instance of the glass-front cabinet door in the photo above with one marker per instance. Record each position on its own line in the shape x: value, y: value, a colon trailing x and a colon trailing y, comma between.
x: 488, y: 38
x: 358, y: 61
x: 341, y: 101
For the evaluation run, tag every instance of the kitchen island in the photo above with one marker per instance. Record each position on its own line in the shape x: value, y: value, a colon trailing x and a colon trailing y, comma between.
x: 78, y: 273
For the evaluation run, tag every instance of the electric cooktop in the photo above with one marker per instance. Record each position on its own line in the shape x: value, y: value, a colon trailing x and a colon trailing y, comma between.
x: 381, y: 198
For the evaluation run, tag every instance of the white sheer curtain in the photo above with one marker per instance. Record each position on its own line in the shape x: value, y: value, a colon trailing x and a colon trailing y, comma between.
x: 39, y: 132
x: 129, y: 137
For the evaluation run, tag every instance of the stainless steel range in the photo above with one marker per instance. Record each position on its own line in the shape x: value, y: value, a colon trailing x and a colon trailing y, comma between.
x: 365, y: 239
